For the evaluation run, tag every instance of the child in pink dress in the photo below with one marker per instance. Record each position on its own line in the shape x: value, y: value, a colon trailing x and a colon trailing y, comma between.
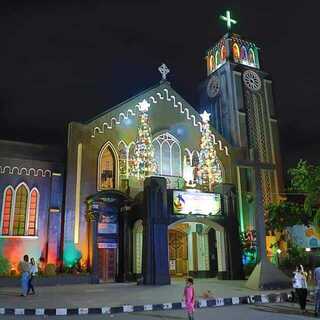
x: 189, y: 298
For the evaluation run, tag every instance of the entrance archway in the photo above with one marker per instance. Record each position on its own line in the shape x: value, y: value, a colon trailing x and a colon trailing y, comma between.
x: 196, y: 247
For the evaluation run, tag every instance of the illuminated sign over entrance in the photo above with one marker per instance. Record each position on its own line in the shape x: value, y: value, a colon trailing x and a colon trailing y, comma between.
x: 194, y: 202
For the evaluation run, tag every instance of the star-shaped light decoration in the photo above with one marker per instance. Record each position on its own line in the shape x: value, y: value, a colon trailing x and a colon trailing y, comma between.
x: 144, y: 106
x: 205, y: 116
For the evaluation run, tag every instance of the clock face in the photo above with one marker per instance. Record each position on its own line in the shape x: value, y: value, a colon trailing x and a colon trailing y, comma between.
x: 252, y: 80
x: 213, y: 86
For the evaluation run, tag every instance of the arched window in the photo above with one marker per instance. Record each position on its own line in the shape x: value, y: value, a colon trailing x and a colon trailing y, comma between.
x: 217, y: 58
x: 251, y: 58
x: 244, y: 54
x: 236, y: 52
x: 212, y: 64
x: 107, y: 167
x: 223, y: 53
x: 20, y: 211
x: 167, y: 154
x: 33, y: 212
x: 6, y: 210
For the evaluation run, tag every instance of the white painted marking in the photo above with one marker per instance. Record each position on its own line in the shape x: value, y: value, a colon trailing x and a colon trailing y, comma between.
x: 167, y: 306
x: 203, y: 303
x: 61, y: 312
x: 219, y: 302
x: 39, y: 312
x: 148, y: 307
x: 83, y: 311
x: 105, y: 310
x: 127, y: 308
x: 235, y: 300
x: 19, y: 311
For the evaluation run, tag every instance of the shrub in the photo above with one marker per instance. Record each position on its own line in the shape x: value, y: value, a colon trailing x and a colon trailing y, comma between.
x: 50, y: 269
x: 296, y: 256
x: 5, y: 266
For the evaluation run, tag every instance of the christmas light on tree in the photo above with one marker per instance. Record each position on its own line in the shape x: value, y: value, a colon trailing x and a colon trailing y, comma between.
x: 143, y: 163
x: 207, y: 153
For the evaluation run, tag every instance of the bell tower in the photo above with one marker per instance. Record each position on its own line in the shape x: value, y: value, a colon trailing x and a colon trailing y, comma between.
x: 239, y: 96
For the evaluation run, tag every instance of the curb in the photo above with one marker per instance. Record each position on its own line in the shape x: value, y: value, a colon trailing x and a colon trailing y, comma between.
x: 201, y: 303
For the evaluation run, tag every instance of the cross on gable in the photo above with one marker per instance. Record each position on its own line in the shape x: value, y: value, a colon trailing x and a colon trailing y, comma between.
x: 228, y: 19
x: 164, y: 70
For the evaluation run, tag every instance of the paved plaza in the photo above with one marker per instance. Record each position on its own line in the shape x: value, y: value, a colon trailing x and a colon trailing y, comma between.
x: 115, y: 294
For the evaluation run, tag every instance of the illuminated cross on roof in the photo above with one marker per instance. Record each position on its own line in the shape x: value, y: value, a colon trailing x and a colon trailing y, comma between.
x: 228, y: 19
x: 164, y: 70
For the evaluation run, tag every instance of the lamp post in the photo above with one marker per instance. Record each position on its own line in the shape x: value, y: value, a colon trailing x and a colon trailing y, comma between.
x: 278, y: 256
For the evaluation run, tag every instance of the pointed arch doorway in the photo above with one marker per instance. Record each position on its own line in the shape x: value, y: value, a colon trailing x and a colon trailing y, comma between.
x: 196, y: 248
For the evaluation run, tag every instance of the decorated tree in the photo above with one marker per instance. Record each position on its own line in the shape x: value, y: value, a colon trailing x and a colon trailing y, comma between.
x: 207, y: 153
x: 143, y: 163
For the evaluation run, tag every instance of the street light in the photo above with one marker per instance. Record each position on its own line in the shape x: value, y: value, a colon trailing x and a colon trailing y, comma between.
x: 278, y: 256
x: 308, y: 249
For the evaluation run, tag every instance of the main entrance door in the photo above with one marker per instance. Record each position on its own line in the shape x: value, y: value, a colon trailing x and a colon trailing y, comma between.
x: 107, y: 263
x: 178, y: 253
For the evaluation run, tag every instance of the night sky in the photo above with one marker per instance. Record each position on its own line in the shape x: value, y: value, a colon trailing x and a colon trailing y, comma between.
x: 64, y: 61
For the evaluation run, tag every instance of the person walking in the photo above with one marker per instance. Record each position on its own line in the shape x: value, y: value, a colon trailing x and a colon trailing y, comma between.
x: 300, y: 285
x: 317, y: 291
x: 189, y: 298
x: 24, y: 268
x: 33, y: 271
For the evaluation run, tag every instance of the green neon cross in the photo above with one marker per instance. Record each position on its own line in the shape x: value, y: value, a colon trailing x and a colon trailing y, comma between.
x: 228, y: 19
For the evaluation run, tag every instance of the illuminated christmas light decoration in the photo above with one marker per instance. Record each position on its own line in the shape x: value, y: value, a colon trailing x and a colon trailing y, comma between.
x: 205, y: 116
x: 143, y: 163
x: 228, y: 19
x: 144, y: 106
x: 209, y: 167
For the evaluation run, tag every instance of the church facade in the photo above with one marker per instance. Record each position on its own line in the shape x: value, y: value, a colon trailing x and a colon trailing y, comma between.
x: 157, y: 188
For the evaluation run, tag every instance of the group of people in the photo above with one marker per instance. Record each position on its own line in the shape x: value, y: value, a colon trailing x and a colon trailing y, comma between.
x: 28, y: 271
x: 301, y: 288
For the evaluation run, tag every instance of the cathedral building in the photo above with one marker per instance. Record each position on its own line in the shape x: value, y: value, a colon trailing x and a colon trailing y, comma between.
x: 155, y: 187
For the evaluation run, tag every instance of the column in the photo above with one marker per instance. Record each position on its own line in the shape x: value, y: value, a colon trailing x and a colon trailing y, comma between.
x: 155, y: 267
x: 54, y: 219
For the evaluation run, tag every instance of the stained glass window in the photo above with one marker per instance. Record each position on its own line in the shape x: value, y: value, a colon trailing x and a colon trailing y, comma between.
x: 243, y: 54
x: 223, y: 53
x: 6, y: 213
x: 33, y: 208
x: 107, y: 169
x: 236, y: 52
x: 251, y: 58
x: 217, y: 58
x: 212, y: 65
x: 20, y: 211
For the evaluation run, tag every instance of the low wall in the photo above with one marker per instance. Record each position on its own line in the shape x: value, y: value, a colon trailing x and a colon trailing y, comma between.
x: 60, y: 279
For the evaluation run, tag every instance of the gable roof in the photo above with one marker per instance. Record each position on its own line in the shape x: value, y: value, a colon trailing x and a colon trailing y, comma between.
x: 153, y: 95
